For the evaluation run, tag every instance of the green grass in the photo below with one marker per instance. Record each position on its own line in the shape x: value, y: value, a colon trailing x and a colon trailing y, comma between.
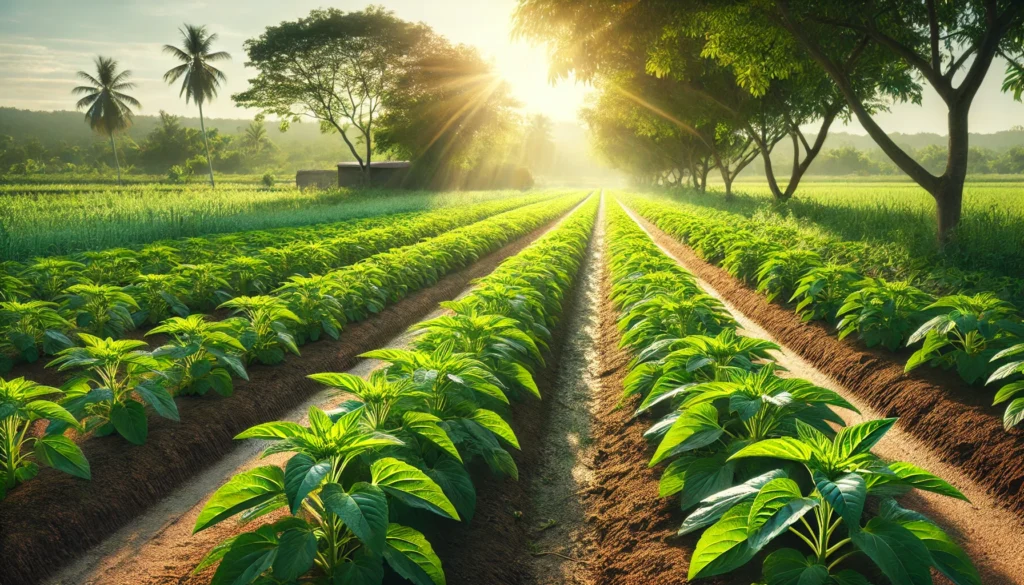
x: 66, y: 219
x: 898, y: 215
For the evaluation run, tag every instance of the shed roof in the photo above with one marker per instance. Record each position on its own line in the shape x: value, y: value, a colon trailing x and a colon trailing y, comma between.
x: 390, y: 164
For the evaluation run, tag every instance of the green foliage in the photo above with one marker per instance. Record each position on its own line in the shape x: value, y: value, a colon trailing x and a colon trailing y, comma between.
x: 882, y: 312
x: 201, y: 355
x: 966, y: 333
x: 22, y: 403
x: 753, y: 456
x: 29, y: 330
x: 822, y: 290
x: 99, y: 309
x: 113, y: 384
x: 782, y: 272
x: 264, y: 327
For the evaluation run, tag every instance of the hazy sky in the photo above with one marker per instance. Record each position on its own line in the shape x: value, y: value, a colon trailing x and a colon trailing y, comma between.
x: 44, y: 42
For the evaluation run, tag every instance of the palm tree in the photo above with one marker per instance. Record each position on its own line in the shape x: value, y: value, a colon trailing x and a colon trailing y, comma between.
x: 256, y: 137
x: 109, y: 108
x: 202, y: 80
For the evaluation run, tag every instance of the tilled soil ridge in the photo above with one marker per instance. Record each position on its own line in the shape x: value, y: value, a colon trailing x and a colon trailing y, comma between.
x: 952, y: 418
x: 49, y: 521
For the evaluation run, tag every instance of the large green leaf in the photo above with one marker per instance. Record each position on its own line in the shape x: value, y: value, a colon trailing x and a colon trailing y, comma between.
x: 245, y: 490
x: 697, y: 427
x: 918, y: 478
x: 901, y: 556
x: 786, y: 448
x: 456, y: 483
x: 427, y: 426
x: 772, y: 497
x: 713, y: 507
x: 860, y: 438
x: 723, y: 546
x: 363, y: 509
x: 44, y: 409
x: 790, y: 567
x: 364, y: 568
x: 493, y: 422
x: 412, y: 486
x: 296, y: 551
x: 412, y: 557
x: 301, y: 476
x: 249, y: 556
x: 61, y: 453
x: 129, y: 419
x: 947, y: 556
x: 272, y: 430
x: 156, y: 396
x: 846, y: 495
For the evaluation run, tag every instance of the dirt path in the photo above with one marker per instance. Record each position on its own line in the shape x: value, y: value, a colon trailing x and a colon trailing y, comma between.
x: 39, y: 533
x: 991, y: 535
x: 560, y: 541
x: 158, y: 548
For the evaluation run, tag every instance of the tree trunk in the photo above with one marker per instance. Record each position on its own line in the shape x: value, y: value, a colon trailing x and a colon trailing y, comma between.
x: 949, y: 195
x: 369, y: 149
x: 117, y: 165
x: 202, y: 126
x: 704, y: 169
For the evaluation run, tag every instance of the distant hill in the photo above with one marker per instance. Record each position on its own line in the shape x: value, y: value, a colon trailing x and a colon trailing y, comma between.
x: 998, y: 141
x: 51, y: 128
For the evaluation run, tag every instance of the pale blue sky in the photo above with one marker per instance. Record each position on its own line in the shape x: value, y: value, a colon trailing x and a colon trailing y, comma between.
x: 44, y: 42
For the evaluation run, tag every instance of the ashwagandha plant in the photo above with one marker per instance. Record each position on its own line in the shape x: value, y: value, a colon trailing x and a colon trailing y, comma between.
x: 299, y: 258
x: 673, y: 315
x: 13, y: 288
x: 823, y: 290
x: 117, y: 266
x: 207, y: 284
x: 1011, y: 392
x: 22, y: 403
x: 343, y: 497
x: 745, y: 256
x: 398, y: 407
x: 200, y: 356
x: 158, y: 258
x: 265, y: 330
x: 661, y: 369
x: 495, y: 340
x: 360, y: 290
x: 159, y: 296
x: 882, y: 312
x: 100, y: 309
x: 114, y: 383
x: 29, y: 330
x: 967, y: 333
x: 842, y: 474
x: 463, y: 393
x: 716, y: 419
x: 249, y: 276
x: 50, y: 276
x: 312, y: 300
x: 780, y: 274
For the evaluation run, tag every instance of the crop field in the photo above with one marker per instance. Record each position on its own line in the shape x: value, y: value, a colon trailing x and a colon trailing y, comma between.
x: 566, y: 386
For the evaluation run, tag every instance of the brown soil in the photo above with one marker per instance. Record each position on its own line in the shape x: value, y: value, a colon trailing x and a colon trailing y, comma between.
x: 955, y: 420
x: 49, y: 521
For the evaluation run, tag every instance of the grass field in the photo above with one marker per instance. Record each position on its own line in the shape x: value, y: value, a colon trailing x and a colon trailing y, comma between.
x: 900, y: 215
x: 61, y: 219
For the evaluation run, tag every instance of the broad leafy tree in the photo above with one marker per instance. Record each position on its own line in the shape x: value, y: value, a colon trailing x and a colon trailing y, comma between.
x: 200, y: 79
x: 333, y: 67
x: 451, y: 114
x: 108, y: 109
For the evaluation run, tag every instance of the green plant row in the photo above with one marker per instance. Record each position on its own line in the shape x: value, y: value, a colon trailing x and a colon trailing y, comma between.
x: 45, y: 224
x: 114, y: 380
x: 403, y: 438
x: 980, y: 336
x: 753, y: 456
x: 55, y: 297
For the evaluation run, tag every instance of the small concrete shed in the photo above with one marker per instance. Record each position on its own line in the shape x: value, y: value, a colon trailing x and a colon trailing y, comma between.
x: 382, y: 174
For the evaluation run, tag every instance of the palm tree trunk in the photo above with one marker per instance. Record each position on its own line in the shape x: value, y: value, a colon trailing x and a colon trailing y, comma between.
x: 202, y: 126
x: 117, y: 165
